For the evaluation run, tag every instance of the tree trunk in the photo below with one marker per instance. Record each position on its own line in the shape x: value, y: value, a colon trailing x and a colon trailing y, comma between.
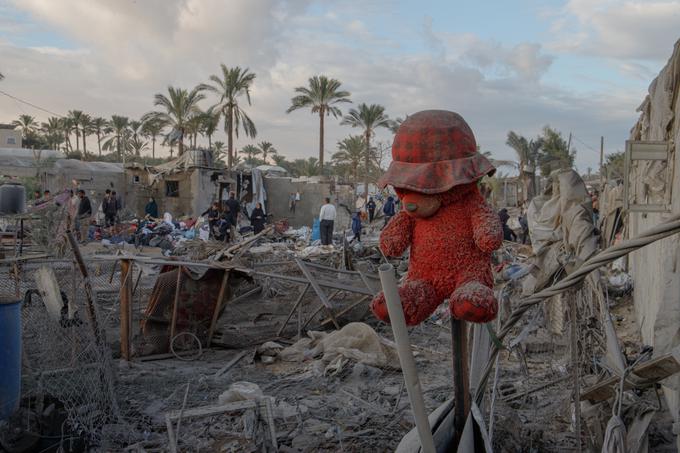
x: 118, y: 148
x: 210, y: 142
x: 84, y: 147
x: 321, y: 115
x: 180, y: 146
x: 99, y: 143
x: 77, y: 139
x: 368, y: 153
x: 522, y: 178
x: 230, y: 140
x: 153, y: 147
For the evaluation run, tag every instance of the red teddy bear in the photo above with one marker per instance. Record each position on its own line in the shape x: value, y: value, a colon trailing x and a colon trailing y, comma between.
x: 450, y: 228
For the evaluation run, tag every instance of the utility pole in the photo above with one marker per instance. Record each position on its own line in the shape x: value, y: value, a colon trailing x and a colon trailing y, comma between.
x: 569, y: 143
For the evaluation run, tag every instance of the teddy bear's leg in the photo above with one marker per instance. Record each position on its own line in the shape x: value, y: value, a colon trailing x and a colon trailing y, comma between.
x: 418, y: 300
x: 473, y: 301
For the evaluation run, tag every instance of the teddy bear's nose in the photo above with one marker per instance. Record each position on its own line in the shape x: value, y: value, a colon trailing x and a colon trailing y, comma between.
x: 411, y: 207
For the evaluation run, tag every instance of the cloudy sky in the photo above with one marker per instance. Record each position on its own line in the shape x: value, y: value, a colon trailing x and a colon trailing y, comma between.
x: 581, y: 66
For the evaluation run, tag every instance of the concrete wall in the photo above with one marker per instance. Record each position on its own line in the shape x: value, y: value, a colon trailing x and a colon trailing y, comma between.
x: 656, y: 267
x: 10, y: 138
x: 311, y: 199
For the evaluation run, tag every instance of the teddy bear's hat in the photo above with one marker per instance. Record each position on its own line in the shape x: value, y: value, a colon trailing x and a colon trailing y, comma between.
x: 433, y: 151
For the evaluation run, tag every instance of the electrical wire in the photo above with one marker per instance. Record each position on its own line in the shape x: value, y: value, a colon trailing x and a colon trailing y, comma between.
x: 30, y: 104
x: 661, y: 231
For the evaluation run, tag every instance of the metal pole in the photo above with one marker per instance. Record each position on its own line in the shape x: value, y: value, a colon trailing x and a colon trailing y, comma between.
x: 461, y: 376
x: 408, y: 363
x: 601, y: 162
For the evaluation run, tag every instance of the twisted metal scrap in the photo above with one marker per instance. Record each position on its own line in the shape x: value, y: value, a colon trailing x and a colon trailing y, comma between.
x: 606, y: 256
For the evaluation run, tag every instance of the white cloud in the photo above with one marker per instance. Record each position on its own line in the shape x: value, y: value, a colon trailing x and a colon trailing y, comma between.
x: 127, y: 51
x: 618, y: 29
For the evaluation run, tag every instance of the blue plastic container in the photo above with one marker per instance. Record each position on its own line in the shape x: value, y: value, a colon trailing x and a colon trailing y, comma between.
x: 10, y: 357
x: 316, y: 230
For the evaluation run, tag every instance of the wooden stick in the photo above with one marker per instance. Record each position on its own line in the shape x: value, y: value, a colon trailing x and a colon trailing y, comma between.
x: 175, y: 306
x: 295, y: 306
x: 125, y: 303
x: 231, y: 363
x: 574, y: 363
x: 218, y: 306
x: 461, y: 376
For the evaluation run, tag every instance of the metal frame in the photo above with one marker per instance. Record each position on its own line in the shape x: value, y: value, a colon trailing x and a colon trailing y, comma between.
x: 647, y: 150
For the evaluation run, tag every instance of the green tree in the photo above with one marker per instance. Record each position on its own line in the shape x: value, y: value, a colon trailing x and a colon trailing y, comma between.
x: 555, y: 153
x: 67, y: 130
x: 229, y: 86
x: 251, y: 152
x: 27, y: 124
x: 86, y: 128
x: 153, y: 127
x: 267, y: 149
x: 369, y: 118
x: 180, y: 106
x: 282, y: 162
x: 614, y: 165
x: 320, y: 97
x: 306, y: 167
x: 351, y: 155
x: 527, y: 155
x: 76, y: 117
x: 52, y: 130
x: 121, y: 131
x: 100, y: 128
x: 210, y: 122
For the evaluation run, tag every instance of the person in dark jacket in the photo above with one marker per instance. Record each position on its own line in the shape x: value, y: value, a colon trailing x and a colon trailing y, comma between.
x: 388, y: 210
x: 109, y: 209
x: 257, y: 218
x: 151, y: 208
x: 234, y: 209
x: 356, y: 225
x: 213, y: 214
x: 508, y: 234
x: 84, y: 215
x: 370, y: 207
x: 523, y: 222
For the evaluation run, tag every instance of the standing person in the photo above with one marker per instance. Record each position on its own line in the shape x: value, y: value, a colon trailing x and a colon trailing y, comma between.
x: 257, y: 218
x: 292, y: 201
x: 370, y: 206
x: 213, y: 213
x: 151, y: 208
x: 508, y: 234
x: 109, y: 209
x: 234, y: 209
x: 388, y: 210
x: 84, y: 215
x: 524, y: 236
x: 117, y: 205
x: 356, y: 225
x: 326, y: 220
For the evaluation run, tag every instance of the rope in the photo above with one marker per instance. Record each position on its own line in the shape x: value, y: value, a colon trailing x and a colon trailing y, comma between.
x: 606, y: 256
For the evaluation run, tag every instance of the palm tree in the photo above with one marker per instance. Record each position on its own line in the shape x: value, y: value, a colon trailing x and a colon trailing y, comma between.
x: 67, y: 129
x: 27, y: 124
x: 210, y: 122
x: 53, y: 132
x: 120, y: 130
x: 267, y: 149
x: 76, y: 117
x: 86, y: 128
x: 321, y: 96
x: 136, y: 132
x: 218, y: 150
x: 351, y: 153
x: 396, y: 124
x: 1, y: 76
x: 250, y: 151
x: 233, y: 83
x: 100, y: 128
x: 369, y: 118
x: 194, y: 127
x: 306, y: 167
x: 180, y: 105
x: 153, y: 127
x: 527, y: 155
x: 137, y: 145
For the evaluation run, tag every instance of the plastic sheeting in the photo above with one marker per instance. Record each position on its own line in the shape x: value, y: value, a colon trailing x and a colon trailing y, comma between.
x: 259, y: 193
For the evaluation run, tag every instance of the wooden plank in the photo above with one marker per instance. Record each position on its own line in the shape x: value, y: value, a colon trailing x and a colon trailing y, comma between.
x: 297, y: 303
x: 319, y: 292
x: 206, y: 411
x: 218, y: 306
x: 653, y: 370
x: 346, y: 310
x: 231, y: 363
x: 125, y: 308
x: 50, y: 294
x: 175, y: 305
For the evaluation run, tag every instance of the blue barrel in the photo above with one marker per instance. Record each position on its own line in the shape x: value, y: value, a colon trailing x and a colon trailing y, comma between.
x: 10, y: 357
x: 316, y: 230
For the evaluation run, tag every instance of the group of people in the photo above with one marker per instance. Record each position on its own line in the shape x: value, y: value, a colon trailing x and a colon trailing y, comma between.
x: 223, y: 218
x: 328, y: 213
x: 508, y: 233
x: 110, y: 207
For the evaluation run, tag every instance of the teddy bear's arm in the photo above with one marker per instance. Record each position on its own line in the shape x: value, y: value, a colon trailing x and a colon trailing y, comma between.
x: 486, y: 228
x: 396, y: 236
